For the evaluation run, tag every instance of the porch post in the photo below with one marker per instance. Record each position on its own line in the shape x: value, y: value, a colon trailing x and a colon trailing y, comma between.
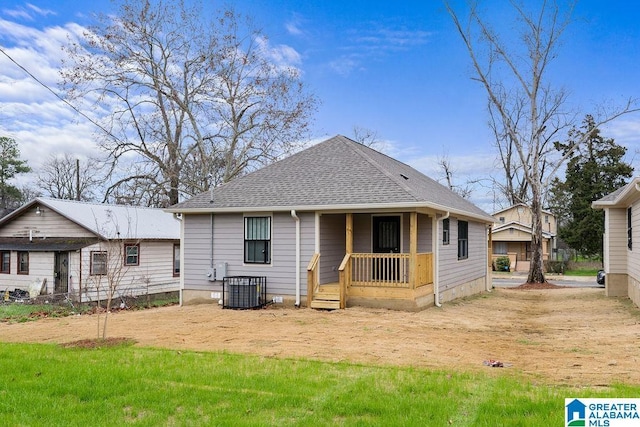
x: 349, y: 227
x: 346, y: 277
x: 413, y: 249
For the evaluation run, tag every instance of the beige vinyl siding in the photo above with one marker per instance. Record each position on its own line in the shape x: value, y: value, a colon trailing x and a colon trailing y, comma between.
x: 511, y: 235
x: 523, y: 215
x: 332, y: 246
x: 40, y: 267
x: 47, y: 224
x: 616, y: 228
x: 633, y: 260
x: 154, y: 274
x: 454, y: 272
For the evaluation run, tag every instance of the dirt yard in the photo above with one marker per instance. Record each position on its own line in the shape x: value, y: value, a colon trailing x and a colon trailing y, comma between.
x: 559, y: 336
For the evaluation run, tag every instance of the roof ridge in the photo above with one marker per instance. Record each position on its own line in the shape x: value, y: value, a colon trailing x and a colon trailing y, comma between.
x: 43, y: 199
x: 362, y: 153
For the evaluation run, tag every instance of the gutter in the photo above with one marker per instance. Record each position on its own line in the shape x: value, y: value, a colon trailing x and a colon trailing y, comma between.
x: 391, y: 207
x: 297, y: 270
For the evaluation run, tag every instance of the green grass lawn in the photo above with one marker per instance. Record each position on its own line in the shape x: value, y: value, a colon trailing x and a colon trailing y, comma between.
x: 582, y: 272
x: 48, y: 385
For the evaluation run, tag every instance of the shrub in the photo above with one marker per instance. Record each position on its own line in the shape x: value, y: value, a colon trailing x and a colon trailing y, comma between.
x: 503, y: 263
x: 558, y: 267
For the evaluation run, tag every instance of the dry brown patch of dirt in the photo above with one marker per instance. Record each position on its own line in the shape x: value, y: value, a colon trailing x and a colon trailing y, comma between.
x: 560, y: 336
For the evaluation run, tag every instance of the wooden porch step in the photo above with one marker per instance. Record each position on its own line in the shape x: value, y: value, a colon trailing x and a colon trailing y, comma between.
x: 325, y: 304
x: 327, y: 297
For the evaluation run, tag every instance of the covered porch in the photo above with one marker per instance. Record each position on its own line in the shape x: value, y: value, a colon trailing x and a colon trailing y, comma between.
x: 373, y: 259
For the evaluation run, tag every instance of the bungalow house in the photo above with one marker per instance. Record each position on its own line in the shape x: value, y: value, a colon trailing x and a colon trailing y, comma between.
x: 335, y: 225
x: 512, y: 231
x: 621, y: 241
x: 75, y: 249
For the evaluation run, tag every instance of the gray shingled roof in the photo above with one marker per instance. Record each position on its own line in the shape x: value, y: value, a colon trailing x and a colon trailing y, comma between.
x: 335, y: 173
x: 619, y: 196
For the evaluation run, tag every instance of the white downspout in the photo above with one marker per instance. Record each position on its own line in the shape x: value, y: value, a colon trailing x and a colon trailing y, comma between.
x: 297, y: 220
x: 489, y: 276
x: 436, y: 270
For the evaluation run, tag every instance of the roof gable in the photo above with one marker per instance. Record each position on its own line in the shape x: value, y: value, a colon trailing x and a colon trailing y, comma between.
x: 109, y: 221
x: 622, y: 197
x: 335, y: 173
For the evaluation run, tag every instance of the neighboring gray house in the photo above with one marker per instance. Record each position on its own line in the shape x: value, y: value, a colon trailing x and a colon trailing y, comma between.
x: 75, y: 247
x: 336, y: 225
x: 622, y: 241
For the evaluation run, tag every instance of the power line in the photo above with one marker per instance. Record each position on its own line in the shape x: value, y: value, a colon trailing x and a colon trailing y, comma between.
x: 58, y: 96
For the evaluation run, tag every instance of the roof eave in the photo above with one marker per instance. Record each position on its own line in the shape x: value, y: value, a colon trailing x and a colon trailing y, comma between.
x: 352, y: 207
x: 633, y: 186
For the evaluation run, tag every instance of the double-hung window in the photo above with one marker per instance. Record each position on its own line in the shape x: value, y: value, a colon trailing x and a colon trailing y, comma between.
x: 23, y: 262
x: 131, y: 254
x: 445, y: 231
x: 176, y: 259
x: 98, y: 263
x: 463, y: 239
x: 5, y: 262
x: 257, y: 239
x: 629, y: 230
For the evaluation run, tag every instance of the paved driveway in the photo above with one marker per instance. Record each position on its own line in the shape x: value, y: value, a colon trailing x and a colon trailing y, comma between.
x: 570, y: 281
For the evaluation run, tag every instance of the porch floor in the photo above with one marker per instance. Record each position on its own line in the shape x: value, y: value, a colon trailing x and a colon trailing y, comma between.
x: 327, y: 297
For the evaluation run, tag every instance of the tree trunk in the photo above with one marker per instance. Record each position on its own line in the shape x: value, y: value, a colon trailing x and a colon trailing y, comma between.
x: 536, y: 269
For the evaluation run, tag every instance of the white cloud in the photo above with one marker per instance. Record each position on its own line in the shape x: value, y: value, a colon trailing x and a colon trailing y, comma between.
x: 40, y: 123
x: 295, y: 24
x: 376, y: 41
x: 280, y: 55
x: 26, y: 13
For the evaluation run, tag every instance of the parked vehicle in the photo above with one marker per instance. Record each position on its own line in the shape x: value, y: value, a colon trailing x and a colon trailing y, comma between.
x: 600, y: 277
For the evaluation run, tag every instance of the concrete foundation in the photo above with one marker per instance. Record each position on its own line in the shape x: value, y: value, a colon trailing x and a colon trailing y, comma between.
x: 616, y: 285
x: 473, y: 287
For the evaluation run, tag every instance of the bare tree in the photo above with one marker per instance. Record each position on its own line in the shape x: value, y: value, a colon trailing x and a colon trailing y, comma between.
x: 463, y: 191
x: 527, y: 112
x: 65, y: 177
x: 366, y: 136
x: 107, y: 265
x: 177, y: 90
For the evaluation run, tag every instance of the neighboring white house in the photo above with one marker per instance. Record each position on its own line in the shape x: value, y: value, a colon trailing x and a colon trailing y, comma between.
x: 75, y: 246
x: 622, y: 240
x: 336, y: 225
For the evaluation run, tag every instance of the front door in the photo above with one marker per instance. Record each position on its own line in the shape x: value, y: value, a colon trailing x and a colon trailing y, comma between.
x: 386, y: 239
x: 61, y: 273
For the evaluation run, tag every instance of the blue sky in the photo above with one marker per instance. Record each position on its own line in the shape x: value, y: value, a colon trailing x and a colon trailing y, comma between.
x: 397, y: 68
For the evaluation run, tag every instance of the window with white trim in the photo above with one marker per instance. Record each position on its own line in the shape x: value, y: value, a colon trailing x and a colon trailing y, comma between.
x: 98, y: 263
x: 131, y: 254
x: 463, y: 239
x: 445, y: 231
x: 257, y: 239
